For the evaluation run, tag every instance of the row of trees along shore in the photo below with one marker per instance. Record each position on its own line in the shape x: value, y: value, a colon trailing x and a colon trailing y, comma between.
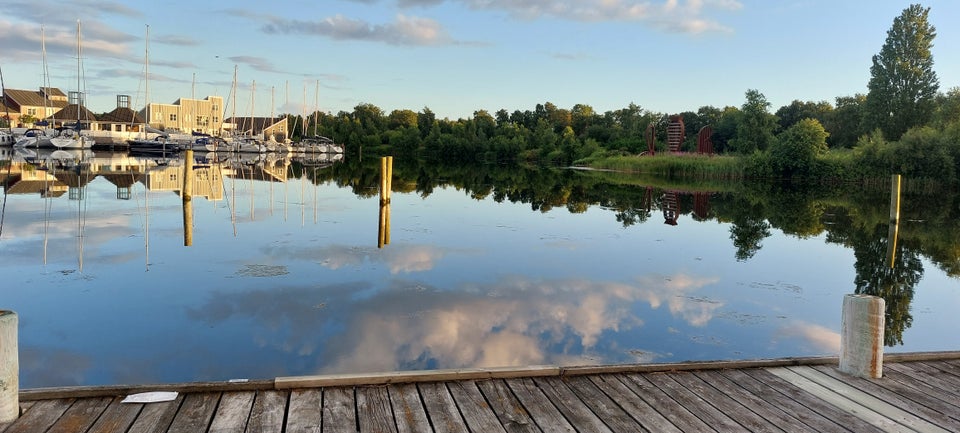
x: 904, y: 124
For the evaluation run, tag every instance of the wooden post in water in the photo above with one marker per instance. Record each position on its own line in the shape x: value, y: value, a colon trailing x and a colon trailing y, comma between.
x: 892, y: 234
x: 187, y: 196
x: 9, y: 368
x: 386, y: 183
x: 861, y: 336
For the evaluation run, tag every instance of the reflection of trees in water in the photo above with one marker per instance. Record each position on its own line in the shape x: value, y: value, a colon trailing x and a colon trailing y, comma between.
x: 748, y: 227
x: 894, y: 284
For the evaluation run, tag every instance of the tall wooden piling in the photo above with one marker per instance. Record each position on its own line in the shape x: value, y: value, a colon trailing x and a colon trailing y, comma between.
x: 861, y: 336
x: 9, y: 368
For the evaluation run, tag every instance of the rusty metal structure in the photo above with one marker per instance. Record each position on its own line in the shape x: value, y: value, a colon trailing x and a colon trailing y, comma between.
x: 651, y: 136
x: 675, y: 133
x: 704, y: 144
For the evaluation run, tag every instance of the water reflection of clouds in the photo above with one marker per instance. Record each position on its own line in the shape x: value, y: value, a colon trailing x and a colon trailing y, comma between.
x: 820, y: 338
x: 515, y: 321
x: 399, y: 258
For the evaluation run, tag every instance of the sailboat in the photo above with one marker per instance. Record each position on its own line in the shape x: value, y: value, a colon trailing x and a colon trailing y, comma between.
x: 71, y: 138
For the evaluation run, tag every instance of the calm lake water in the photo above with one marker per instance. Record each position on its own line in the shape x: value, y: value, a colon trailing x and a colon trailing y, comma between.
x: 485, y: 267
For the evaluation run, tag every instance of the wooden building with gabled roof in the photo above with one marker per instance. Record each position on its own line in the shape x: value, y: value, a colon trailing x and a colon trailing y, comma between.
x: 39, y: 104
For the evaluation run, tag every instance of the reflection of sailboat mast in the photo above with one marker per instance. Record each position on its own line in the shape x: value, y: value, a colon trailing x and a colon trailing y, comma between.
x: 303, y: 203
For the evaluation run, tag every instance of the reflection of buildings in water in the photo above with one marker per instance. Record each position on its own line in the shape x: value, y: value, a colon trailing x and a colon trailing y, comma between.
x: 207, y: 180
x: 47, y: 173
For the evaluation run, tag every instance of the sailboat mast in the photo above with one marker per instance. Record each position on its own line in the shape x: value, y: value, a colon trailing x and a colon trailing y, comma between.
x: 146, y: 79
x: 79, y: 92
x: 233, y: 114
x: 316, y: 106
x: 46, y: 73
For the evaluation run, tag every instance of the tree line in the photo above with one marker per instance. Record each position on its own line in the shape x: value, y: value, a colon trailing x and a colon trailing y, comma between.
x: 904, y: 122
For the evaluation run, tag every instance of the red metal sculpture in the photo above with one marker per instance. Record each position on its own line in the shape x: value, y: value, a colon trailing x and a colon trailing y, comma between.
x: 651, y: 137
x: 675, y: 133
x: 704, y: 144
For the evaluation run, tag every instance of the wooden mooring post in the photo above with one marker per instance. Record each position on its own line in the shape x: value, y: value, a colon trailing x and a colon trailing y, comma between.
x: 386, y: 185
x: 861, y: 336
x: 9, y: 368
x: 187, y: 198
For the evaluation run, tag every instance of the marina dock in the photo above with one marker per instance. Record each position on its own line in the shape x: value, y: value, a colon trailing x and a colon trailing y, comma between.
x: 918, y: 392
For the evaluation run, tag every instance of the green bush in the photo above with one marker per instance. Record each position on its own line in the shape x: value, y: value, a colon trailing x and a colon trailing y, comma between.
x: 794, y: 152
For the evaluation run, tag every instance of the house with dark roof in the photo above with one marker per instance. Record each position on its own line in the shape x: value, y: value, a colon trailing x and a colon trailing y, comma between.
x: 122, y: 118
x: 38, y: 104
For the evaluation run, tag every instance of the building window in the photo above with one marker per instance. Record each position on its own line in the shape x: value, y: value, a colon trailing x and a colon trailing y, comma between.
x: 173, y: 117
x: 31, y: 111
x: 216, y: 120
x: 215, y: 108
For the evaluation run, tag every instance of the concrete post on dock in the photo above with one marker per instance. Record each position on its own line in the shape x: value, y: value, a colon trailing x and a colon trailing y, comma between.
x: 9, y: 368
x: 861, y: 336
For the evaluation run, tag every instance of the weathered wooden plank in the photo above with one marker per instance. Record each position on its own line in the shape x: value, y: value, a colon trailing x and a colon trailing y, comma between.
x: 478, y: 415
x: 115, y: 390
x: 829, y: 396
x: 694, y: 366
x: 374, y: 413
x: 414, y: 376
x: 156, y: 417
x: 233, y: 412
x: 572, y: 408
x: 931, y: 408
x: 511, y: 413
x: 268, y: 410
x: 196, y: 413
x: 680, y: 416
x: 694, y: 403
x: 80, y: 416
x: 874, y: 403
x: 724, y: 404
x: 408, y: 410
x: 305, y: 412
x: 767, y: 409
x: 441, y: 409
x: 819, y: 415
x: 931, y: 376
x: 546, y: 416
x: 636, y: 407
x: 922, y: 382
x: 40, y: 417
x: 612, y: 414
x: 947, y: 367
x: 117, y: 417
x: 339, y: 410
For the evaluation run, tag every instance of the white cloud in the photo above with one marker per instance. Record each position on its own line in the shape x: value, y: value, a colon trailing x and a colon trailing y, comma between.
x: 405, y: 30
x: 688, y: 16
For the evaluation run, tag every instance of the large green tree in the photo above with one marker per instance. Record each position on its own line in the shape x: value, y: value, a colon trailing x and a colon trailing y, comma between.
x: 903, y: 85
x: 756, y: 124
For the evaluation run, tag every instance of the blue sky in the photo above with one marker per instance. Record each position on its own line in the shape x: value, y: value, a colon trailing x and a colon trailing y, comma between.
x: 458, y: 56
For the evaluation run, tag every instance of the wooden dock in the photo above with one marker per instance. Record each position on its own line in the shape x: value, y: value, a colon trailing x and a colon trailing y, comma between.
x: 918, y: 393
